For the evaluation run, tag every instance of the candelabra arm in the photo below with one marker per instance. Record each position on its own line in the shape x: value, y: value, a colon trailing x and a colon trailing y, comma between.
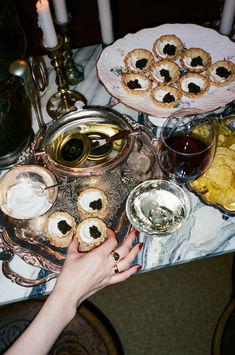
x: 73, y: 71
x: 62, y: 101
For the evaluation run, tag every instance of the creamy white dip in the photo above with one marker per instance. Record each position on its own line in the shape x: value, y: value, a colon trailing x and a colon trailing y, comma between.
x: 26, y: 201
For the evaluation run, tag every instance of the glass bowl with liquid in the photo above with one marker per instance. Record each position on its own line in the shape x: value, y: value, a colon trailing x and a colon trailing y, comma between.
x: 157, y: 207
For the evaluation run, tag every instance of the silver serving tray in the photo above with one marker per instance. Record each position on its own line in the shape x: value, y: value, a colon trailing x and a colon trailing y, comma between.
x: 27, y: 238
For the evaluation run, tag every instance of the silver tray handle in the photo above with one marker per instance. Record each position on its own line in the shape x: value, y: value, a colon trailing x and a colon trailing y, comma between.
x: 35, y: 260
x: 6, y: 253
x: 20, y: 280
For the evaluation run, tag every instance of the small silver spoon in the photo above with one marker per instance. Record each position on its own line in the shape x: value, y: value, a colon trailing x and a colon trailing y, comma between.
x: 120, y: 135
x: 41, y: 190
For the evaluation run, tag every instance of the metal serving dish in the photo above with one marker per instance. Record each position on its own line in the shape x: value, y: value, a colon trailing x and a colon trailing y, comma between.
x: 116, y: 175
x: 71, y: 132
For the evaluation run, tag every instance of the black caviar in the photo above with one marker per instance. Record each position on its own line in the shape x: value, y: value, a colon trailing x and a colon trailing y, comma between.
x: 197, y: 61
x: 97, y: 149
x: 64, y: 227
x: 194, y: 88
x: 168, y: 98
x: 133, y: 84
x: 141, y: 63
x: 96, y: 205
x: 223, y: 72
x: 165, y: 73
x: 94, y: 232
x: 169, y: 49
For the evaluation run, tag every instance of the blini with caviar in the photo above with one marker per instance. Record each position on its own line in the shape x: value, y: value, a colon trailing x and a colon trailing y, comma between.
x: 92, y: 202
x: 60, y: 227
x: 91, y: 232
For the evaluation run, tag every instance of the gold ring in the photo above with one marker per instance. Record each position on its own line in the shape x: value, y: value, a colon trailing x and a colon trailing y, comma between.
x: 115, y: 255
x: 116, y: 268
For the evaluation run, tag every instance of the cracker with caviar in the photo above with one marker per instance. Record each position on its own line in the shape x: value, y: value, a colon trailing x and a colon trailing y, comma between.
x: 91, y: 232
x: 92, y: 202
x: 59, y: 228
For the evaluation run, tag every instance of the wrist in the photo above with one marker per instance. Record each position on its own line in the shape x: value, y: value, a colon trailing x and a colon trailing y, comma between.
x: 62, y: 303
x: 66, y: 300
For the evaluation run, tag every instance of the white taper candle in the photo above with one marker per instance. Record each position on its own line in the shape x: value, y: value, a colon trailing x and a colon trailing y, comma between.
x: 60, y: 11
x: 45, y: 22
x: 105, y: 17
x: 227, y: 17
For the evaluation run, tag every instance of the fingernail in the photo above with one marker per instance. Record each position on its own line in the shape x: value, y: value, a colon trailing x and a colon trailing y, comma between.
x: 136, y: 233
x: 139, y: 268
x: 140, y: 246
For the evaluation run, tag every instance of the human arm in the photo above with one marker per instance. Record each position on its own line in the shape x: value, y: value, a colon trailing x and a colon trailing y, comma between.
x: 82, y: 275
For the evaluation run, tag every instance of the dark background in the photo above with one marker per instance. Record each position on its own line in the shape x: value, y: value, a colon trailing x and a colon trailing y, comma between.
x: 128, y: 16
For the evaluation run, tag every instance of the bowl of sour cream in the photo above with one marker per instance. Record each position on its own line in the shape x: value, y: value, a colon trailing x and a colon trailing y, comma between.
x: 22, y: 193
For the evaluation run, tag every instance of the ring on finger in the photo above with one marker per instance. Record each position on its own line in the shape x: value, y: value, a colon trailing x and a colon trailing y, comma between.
x: 116, y: 268
x: 115, y: 255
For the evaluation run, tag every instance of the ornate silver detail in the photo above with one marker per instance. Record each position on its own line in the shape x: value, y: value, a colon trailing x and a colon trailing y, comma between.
x: 116, y: 183
x: 29, y: 257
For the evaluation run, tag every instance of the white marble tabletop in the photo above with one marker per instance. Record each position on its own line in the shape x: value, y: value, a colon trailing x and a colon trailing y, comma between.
x: 208, y: 232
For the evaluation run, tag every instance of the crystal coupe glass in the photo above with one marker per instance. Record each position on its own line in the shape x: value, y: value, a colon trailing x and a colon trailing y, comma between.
x: 158, y: 208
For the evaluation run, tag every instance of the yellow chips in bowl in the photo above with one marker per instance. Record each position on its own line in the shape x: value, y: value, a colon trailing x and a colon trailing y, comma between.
x: 217, y: 184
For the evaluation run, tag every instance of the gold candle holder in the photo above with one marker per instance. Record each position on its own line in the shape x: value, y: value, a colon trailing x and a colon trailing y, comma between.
x: 73, y: 71
x: 64, y: 99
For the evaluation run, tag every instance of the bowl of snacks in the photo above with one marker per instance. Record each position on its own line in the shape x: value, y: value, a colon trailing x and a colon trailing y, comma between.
x: 217, y: 185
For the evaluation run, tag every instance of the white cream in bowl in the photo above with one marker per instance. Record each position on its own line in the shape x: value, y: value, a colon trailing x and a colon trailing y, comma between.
x: 25, y: 200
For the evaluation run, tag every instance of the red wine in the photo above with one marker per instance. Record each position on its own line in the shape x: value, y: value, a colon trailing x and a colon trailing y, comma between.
x: 184, y: 156
x: 186, y: 144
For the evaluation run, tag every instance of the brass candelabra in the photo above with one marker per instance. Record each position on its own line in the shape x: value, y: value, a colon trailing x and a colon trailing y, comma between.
x: 73, y: 71
x: 64, y: 99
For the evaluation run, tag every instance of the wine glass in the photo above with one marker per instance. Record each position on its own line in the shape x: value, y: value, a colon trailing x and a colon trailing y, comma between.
x: 158, y: 208
x: 186, y: 147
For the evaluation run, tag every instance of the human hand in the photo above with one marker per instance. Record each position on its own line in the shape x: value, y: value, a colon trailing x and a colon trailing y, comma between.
x: 83, y: 274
